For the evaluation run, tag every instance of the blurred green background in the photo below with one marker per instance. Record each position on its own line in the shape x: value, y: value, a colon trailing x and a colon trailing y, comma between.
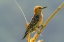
x: 12, y: 22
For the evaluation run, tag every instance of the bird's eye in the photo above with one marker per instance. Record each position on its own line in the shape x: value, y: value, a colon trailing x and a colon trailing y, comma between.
x: 39, y: 7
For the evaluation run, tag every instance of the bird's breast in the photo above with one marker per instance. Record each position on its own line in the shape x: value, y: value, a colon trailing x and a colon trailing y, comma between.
x: 40, y: 19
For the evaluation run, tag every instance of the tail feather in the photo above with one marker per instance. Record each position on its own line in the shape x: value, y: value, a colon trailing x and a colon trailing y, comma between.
x: 25, y: 35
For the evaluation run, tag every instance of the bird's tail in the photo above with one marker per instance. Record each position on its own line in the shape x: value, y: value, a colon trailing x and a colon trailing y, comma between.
x: 25, y: 35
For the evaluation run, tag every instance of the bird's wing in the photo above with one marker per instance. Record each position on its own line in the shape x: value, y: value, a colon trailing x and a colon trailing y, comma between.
x: 33, y: 22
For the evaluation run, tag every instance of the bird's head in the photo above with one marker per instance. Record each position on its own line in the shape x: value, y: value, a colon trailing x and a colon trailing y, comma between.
x: 38, y: 9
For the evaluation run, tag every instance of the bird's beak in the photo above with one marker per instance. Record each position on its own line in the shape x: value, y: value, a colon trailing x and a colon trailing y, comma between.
x: 44, y: 7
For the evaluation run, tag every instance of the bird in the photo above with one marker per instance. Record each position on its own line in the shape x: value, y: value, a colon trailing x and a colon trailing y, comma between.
x: 36, y: 20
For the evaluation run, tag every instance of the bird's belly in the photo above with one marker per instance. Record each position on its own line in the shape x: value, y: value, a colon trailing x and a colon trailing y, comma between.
x: 37, y: 25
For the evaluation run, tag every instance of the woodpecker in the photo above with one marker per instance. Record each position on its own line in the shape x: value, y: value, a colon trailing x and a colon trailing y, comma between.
x: 36, y: 20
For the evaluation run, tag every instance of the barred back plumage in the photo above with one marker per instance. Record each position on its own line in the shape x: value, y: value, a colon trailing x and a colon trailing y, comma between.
x: 30, y: 28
